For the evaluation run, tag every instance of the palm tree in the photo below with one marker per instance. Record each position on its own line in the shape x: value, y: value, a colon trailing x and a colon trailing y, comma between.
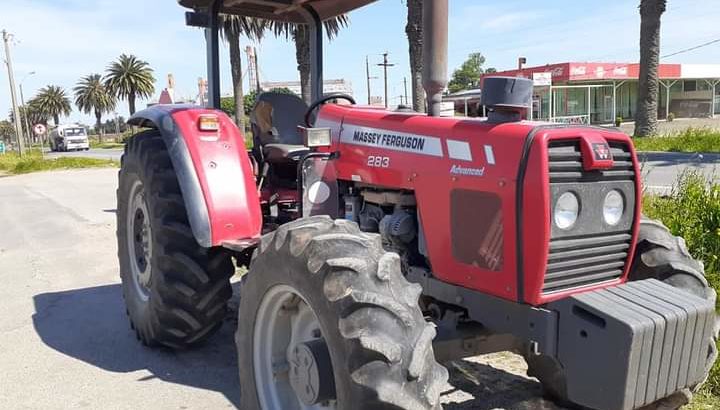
x: 300, y: 33
x: 648, y: 88
x: 92, y: 96
x: 414, y: 32
x: 129, y: 78
x: 51, y: 101
x: 233, y: 27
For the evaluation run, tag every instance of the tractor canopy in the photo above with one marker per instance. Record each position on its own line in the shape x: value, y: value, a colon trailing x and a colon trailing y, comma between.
x: 283, y: 10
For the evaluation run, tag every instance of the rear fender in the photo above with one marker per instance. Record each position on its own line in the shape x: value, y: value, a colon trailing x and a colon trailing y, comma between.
x: 214, y: 173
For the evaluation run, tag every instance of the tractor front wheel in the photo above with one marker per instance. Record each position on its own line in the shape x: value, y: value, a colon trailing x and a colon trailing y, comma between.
x: 175, y: 291
x: 328, y: 321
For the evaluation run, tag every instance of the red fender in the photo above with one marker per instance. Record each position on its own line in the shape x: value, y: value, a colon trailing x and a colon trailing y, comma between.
x: 214, y: 173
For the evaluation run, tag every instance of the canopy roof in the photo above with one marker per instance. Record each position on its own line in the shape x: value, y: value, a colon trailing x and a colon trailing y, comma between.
x: 283, y: 10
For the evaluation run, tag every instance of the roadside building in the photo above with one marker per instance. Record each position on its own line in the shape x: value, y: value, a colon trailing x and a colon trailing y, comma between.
x: 598, y: 93
x: 329, y: 86
x: 466, y: 102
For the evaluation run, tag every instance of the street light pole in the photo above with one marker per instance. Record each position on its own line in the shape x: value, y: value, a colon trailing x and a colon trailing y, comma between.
x: 22, y: 102
x: 13, y: 97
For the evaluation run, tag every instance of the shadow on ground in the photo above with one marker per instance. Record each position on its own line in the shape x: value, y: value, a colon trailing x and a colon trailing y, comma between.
x: 479, y: 386
x: 90, y: 325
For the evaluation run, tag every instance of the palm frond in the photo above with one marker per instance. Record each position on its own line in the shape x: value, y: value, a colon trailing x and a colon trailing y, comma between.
x: 92, y: 95
x: 51, y: 101
x: 251, y: 27
x: 129, y: 76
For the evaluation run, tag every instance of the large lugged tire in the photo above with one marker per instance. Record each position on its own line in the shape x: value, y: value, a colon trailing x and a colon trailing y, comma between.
x: 658, y: 255
x: 175, y: 291
x: 369, y: 342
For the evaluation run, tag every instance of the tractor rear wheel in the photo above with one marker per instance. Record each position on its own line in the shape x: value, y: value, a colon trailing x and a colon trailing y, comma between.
x: 327, y: 320
x: 175, y: 291
x: 659, y: 255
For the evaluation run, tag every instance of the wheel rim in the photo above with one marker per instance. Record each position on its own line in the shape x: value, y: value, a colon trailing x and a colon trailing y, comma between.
x: 139, y: 244
x: 287, y: 333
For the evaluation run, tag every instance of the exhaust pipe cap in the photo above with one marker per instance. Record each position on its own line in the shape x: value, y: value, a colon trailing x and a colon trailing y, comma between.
x: 507, y: 98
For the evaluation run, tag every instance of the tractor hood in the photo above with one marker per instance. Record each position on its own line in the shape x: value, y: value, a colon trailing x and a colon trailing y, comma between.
x: 282, y: 10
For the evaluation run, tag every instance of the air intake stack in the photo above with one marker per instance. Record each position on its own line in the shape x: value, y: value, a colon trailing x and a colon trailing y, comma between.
x: 506, y: 98
x: 435, y: 46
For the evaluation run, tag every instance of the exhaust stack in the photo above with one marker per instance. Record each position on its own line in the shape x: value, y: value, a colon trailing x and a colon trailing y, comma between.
x: 507, y: 98
x: 435, y: 46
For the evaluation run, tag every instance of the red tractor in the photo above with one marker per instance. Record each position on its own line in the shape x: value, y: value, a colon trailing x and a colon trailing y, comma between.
x: 379, y: 243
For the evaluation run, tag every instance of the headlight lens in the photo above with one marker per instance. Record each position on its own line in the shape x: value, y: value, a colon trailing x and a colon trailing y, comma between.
x: 613, y: 207
x: 566, y: 210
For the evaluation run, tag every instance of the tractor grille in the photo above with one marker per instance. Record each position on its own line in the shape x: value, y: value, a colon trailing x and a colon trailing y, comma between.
x: 587, y: 258
x: 565, y: 160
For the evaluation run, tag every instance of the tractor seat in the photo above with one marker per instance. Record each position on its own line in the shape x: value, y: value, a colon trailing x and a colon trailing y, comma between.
x: 284, y: 152
x: 274, y: 119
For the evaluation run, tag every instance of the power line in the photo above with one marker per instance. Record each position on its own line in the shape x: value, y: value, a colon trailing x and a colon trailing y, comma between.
x: 717, y: 40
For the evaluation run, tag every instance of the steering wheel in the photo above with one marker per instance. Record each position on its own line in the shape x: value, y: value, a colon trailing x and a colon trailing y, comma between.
x: 314, y: 106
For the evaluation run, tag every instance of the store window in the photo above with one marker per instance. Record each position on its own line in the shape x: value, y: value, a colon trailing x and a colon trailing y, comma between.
x: 689, y: 85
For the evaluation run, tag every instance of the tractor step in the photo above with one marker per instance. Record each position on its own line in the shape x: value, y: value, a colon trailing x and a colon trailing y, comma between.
x: 629, y: 345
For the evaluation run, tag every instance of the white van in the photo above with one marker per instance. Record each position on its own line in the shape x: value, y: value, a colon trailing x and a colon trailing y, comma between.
x: 69, y: 137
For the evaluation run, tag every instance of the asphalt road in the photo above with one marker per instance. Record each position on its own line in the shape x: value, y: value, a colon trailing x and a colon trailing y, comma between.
x: 660, y: 170
x: 113, y: 154
x: 65, y: 341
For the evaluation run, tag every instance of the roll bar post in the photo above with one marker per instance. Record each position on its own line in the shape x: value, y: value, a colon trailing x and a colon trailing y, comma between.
x: 213, y: 54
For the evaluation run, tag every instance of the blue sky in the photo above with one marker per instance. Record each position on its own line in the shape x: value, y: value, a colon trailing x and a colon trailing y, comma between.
x: 62, y: 40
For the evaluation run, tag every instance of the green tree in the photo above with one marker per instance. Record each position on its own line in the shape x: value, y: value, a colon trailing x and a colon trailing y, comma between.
x: 648, y: 87
x: 51, y: 101
x: 227, y: 104
x: 92, y: 96
x: 130, y: 78
x: 413, y: 30
x: 7, y: 132
x: 233, y: 27
x: 300, y: 34
x: 468, y: 75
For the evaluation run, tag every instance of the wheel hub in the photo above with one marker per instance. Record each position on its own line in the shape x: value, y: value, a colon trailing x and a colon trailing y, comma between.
x: 291, y: 358
x: 311, y: 375
x: 139, y: 240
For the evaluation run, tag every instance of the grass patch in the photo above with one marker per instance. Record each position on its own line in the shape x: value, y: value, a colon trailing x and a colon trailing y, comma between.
x: 106, y: 145
x: 33, y: 161
x: 692, y: 211
x: 691, y: 140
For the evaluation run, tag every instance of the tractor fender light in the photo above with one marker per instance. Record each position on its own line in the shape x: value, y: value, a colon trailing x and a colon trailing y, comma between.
x: 208, y: 122
x: 316, y: 137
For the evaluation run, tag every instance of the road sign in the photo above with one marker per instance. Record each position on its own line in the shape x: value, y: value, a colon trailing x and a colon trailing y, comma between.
x: 39, y: 129
x: 542, y: 79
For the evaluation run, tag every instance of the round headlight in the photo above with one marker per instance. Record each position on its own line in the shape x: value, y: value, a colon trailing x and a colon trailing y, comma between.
x: 613, y: 207
x: 566, y: 210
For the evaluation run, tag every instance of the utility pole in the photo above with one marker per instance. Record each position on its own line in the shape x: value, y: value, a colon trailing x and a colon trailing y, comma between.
x: 367, y: 75
x: 13, y: 97
x: 405, y: 85
x: 385, y: 66
x: 257, y: 70
x: 22, y: 102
